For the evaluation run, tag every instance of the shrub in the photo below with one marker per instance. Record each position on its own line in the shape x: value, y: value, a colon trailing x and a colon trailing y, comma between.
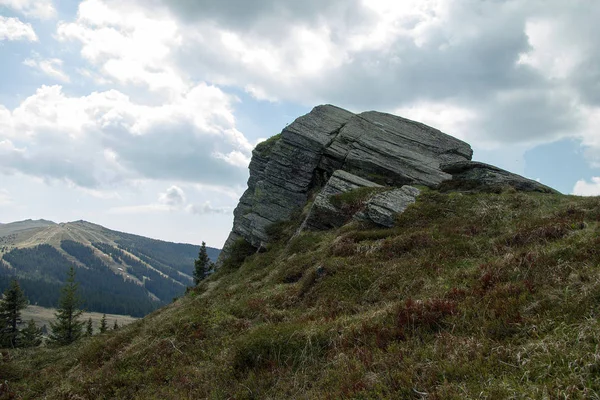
x: 264, y: 148
x: 239, y: 250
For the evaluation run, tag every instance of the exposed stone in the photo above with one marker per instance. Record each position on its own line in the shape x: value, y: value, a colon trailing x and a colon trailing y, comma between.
x: 383, y: 208
x: 323, y: 213
x: 379, y: 147
x: 392, y: 150
x: 480, y: 177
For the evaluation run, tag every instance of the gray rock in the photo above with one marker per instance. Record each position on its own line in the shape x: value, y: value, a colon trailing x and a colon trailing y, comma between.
x: 479, y: 177
x: 383, y: 208
x: 394, y: 151
x: 323, y: 213
x: 378, y: 147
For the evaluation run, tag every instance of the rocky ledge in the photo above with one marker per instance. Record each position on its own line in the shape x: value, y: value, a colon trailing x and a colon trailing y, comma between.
x: 330, y: 151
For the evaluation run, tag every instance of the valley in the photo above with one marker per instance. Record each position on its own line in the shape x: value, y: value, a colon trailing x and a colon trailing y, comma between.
x: 119, y: 273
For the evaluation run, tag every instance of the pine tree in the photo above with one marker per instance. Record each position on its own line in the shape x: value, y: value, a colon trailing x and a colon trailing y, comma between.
x: 103, y: 324
x: 67, y: 328
x: 115, y: 326
x: 90, y: 328
x: 12, y: 303
x: 31, y: 335
x: 202, y: 265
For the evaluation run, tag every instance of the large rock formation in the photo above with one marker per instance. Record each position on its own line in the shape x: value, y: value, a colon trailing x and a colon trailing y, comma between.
x: 373, y: 147
x: 382, y: 148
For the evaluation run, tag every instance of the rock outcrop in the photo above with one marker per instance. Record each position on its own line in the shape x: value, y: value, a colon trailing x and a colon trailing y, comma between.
x: 364, y: 201
x: 349, y: 150
x: 382, y: 208
x: 382, y: 148
x: 479, y: 177
x: 324, y: 214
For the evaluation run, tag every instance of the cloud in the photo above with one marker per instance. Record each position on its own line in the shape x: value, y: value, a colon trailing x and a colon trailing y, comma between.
x: 519, y: 72
x: 206, y: 208
x: 51, y: 67
x: 105, y: 138
x: 173, y: 197
x: 584, y: 188
x: 130, y: 45
x: 41, y: 9
x: 15, y: 29
x: 172, y: 200
x: 483, y: 71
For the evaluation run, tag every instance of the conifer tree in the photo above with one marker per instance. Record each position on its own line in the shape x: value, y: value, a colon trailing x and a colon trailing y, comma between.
x: 31, y: 335
x: 202, y: 265
x: 12, y: 303
x: 115, y: 326
x: 103, y: 324
x: 90, y: 328
x: 67, y: 328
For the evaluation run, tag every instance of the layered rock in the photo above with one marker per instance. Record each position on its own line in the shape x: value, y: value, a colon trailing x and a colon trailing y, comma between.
x: 382, y: 148
x: 365, y: 201
x: 480, y: 177
x: 383, y: 208
x: 337, y: 150
x: 324, y: 214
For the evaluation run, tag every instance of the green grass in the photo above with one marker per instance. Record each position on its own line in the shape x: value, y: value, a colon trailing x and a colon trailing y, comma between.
x: 264, y: 148
x: 354, y: 200
x: 489, y: 296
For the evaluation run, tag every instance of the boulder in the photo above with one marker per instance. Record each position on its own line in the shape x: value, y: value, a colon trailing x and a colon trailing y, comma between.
x: 383, y: 208
x: 479, y: 177
x: 324, y: 214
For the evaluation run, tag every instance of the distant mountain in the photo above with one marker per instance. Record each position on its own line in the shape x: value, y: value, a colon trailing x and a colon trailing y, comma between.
x: 119, y: 273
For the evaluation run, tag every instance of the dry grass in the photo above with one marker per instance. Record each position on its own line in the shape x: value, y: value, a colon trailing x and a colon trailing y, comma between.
x: 491, y: 296
x: 43, y: 316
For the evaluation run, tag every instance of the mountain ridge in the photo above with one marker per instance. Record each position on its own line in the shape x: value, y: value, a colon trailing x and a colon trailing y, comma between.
x: 153, y: 271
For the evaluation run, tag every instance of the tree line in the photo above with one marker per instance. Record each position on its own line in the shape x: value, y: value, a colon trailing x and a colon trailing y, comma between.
x: 66, y: 328
x: 41, y: 270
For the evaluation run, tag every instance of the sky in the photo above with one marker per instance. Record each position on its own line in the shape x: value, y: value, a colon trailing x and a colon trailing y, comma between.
x: 141, y: 115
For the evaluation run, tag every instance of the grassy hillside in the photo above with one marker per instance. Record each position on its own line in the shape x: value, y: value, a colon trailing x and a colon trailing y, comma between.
x: 118, y: 272
x: 470, y: 296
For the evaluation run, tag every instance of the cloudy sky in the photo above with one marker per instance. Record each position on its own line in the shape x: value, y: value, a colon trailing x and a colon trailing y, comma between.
x: 141, y: 115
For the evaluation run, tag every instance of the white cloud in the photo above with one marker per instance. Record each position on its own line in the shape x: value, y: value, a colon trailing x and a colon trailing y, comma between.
x: 173, y: 197
x: 494, y: 73
x: 551, y: 52
x: 130, y: 45
x: 584, y: 188
x: 15, y: 29
x: 51, y: 67
x: 41, y: 9
x: 172, y: 200
x: 105, y: 138
x: 449, y: 118
x: 206, y: 208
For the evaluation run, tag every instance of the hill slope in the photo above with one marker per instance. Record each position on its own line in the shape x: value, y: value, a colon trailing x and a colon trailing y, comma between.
x: 119, y: 273
x: 467, y: 296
